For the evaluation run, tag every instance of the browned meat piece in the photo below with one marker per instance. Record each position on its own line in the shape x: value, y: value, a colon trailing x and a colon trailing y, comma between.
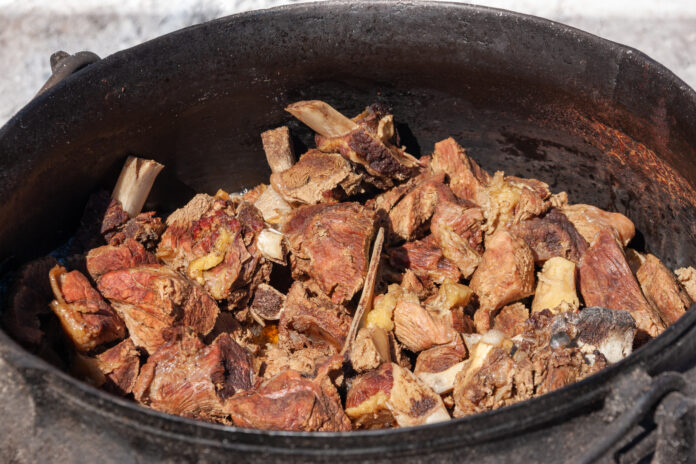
x: 372, y: 347
x: 146, y: 228
x: 330, y: 244
x: 410, y: 214
x: 463, y: 219
x: 687, y: 277
x: 392, y: 395
x: 152, y: 298
x: 551, y: 235
x: 511, y: 319
x: 456, y: 248
x: 28, y: 302
x: 120, y: 366
x: 438, y: 366
x: 267, y: 304
x: 367, y: 140
x: 311, y: 319
x: 316, y: 178
x: 113, y: 219
x: 425, y: 259
x: 291, y: 402
x: 188, y: 378
x: 278, y: 147
x: 509, y: 200
x: 276, y: 359
x: 419, y: 329
x: 607, y: 281
x: 86, y: 318
x: 554, y: 368
x: 213, y: 244
x: 506, y: 274
x: 662, y: 289
x: 412, y: 284
x: 590, y: 220
x: 114, y: 257
x: 466, y: 178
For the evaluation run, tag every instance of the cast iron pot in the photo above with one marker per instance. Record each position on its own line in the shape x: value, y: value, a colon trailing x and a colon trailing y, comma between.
x: 535, y: 98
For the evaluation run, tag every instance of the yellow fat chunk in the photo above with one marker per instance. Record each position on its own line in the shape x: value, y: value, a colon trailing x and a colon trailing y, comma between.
x: 452, y: 294
x: 383, y: 309
x: 198, y: 266
x: 556, y: 287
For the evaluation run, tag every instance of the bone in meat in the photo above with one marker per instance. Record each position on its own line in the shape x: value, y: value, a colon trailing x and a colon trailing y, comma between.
x: 278, y: 148
x: 134, y: 183
x: 437, y: 367
x: 556, y: 287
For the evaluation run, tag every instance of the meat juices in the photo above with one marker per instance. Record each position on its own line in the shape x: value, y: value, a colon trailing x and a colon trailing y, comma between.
x: 357, y: 288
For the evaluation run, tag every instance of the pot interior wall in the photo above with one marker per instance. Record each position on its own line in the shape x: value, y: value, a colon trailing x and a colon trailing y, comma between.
x: 520, y: 96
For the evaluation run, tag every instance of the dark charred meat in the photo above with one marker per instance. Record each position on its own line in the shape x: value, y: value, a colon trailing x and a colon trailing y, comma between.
x: 551, y: 235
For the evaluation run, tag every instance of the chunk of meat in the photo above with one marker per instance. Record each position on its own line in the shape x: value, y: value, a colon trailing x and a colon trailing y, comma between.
x: 290, y: 402
x: 466, y: 178
x: 276, y: 359
x: 509, y: 200
x: 367, y: 140
x: 28, y: 303
x: 425, y: 259
x: 590, y: 220
x: 108, y: 258
x: 316, y: 178
x: 437, y: 367
x: 86, y: 318
x: 412, y: 212
x: 505, y: 275
x: 153, y: 297
x: 419, y: 329
x: 556, y: 288
x: 370, y: 349
x: 120, y: 366
x: 463, y: 219
x: 551, y: 235
x: 663, y: 290
x: 311, y: 319
x: 606, y: 280
x: 114, y: 217
x: 687, y: 277
x: 597, y: 329
x: 511, y: 319
x: 392, y: 395
x: 330, y: 244
x: 278, y: 148
x: 188, y: 378
x: 145, y: 228
x: 213, y: 244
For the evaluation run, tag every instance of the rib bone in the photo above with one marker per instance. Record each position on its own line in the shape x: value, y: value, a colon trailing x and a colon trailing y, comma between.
x: 134, y: 183
x: 322, y: 118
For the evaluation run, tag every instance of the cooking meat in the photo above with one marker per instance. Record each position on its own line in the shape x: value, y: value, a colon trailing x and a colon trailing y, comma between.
x: 152, y: 298
x: 392, y: 395
x: 590, y: 220
x: 511, y: 319
x: 414, y: 210
x: 424, y: 257
x: 437, y: 367
x: 606, y: 281
x: 556, y: 287
x: 278, y: 148
x: 419, y: 329
x: 687, y: 277
x: 188, y: 378
x: 366, y: 140
x: 466, y: 178
x: 663, y: 290
x: 292, y: 402
x: 311, y: 319
x: 213, y: 243
x: 551, y: 235
x: 316, y: 178
x: 86, y: 318
x: 120, y: 366
x: 108, y: 258
x: 414, y: 300
x: 329, y: 244
x: 505, y: 275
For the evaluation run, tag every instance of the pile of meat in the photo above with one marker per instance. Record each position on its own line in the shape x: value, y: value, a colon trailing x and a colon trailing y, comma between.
x: 360, y: 288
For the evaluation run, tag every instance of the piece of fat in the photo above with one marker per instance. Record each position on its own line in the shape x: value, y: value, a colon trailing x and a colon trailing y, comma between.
x: 272, y: 206
x: 556, y: 288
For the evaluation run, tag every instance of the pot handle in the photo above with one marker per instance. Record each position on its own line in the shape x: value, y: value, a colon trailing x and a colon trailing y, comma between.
x: 64, y: 64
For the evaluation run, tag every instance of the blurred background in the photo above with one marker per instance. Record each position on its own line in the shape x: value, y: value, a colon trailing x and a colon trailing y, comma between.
x: 30, y: 30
